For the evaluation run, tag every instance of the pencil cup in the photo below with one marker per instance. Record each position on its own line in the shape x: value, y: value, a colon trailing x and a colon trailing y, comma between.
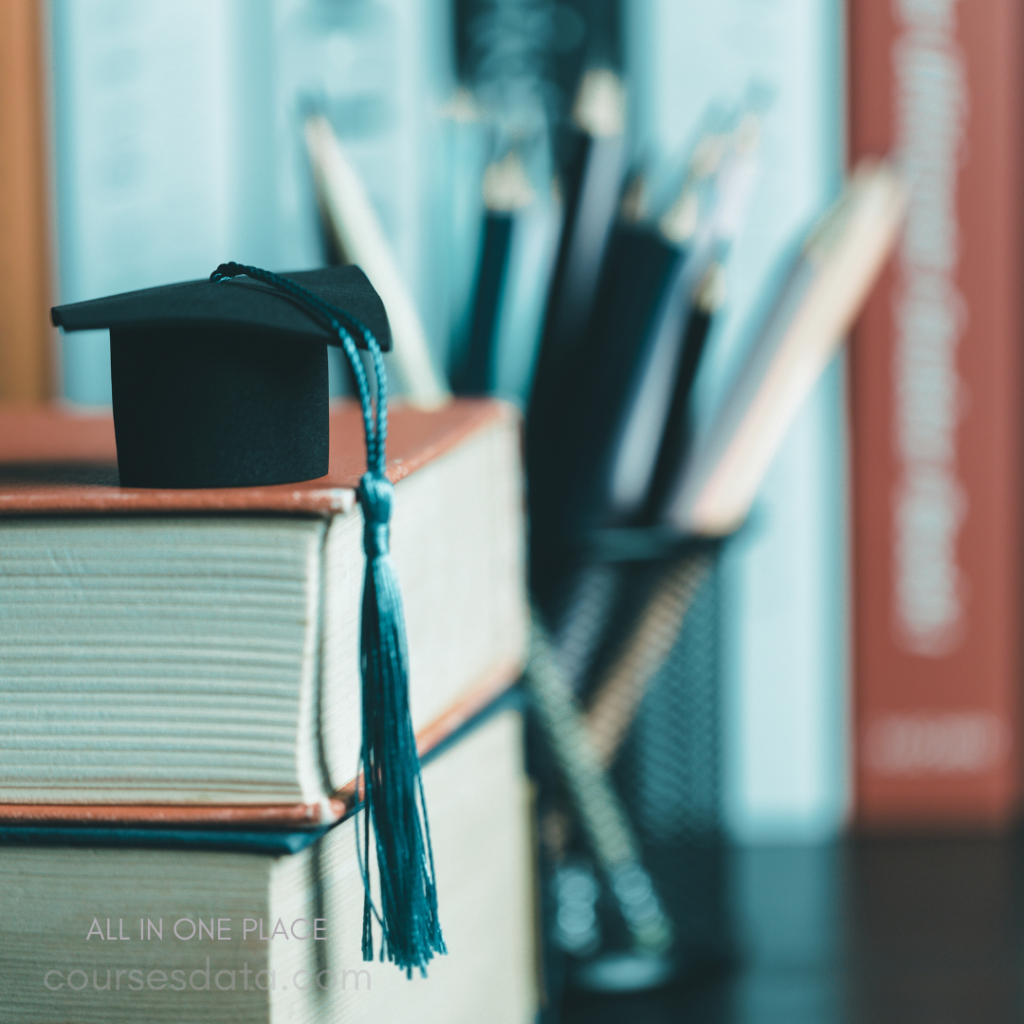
x: 642, y: 901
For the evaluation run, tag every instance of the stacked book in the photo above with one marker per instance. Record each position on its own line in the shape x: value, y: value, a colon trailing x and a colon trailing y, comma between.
x: 179, y: 730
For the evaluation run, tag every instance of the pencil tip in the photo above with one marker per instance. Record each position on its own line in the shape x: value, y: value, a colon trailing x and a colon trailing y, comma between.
x: 506, y: 184
x: 600, y: 107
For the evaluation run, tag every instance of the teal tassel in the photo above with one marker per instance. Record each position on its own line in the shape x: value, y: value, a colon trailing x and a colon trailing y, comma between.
x: 412, y: 933
x: 394, y: 801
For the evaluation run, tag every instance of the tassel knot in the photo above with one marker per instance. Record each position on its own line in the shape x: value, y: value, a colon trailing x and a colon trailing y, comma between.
x: 376, y: 497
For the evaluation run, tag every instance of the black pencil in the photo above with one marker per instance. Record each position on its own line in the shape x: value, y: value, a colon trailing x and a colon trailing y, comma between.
x: 598, y: 453
x: 678, y: 425
x: 477, y: 375
x: 506, y: 192
x: 590, y: 190
x: 590, y: 184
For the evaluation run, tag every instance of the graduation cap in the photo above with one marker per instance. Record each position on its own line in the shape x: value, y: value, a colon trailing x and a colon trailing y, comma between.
x: 223, y: 383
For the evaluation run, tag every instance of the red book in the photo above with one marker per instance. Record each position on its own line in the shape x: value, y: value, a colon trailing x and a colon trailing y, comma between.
x: 937, y: 385
x: 88, y: 678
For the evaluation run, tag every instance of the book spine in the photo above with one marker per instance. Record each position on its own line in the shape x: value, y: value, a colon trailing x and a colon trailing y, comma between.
x: 783, y: 580
x: 936, y: 382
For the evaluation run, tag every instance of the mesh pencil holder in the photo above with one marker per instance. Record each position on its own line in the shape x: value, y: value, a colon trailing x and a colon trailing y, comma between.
x: 637, y: 635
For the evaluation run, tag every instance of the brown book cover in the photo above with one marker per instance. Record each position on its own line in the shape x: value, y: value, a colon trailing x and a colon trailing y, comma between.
x: 54, y: 462
x: 936, y: 380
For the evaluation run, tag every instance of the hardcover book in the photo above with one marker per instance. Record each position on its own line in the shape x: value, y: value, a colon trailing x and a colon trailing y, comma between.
x: 192, y: 656
x: 151, y: 930
x: 936, y: 394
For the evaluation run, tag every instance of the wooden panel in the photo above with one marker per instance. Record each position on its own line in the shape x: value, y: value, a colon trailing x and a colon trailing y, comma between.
x: 26, y: 338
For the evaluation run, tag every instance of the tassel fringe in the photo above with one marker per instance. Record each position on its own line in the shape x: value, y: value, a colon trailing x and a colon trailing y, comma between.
x: 394, y: 798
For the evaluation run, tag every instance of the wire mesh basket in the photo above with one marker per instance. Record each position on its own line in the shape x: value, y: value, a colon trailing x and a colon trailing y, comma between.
x: 638, y: 636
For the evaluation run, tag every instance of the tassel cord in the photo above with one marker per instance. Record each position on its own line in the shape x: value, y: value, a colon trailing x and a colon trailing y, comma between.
x: 393, y: 796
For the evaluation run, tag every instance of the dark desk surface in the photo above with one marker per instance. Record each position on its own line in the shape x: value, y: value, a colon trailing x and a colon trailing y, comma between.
x: 907, y: 931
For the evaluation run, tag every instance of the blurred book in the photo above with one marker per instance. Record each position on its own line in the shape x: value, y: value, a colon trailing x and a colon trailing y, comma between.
x: 379, y: 72
x: 144, y: 183
x: 937, y: 446
x: 782, y: 579
x: 237, y: 928
x: 178, y: 143
x: 199, y: 655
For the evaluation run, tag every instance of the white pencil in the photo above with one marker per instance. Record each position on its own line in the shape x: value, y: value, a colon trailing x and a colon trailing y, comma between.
x: 360, y: 237
x: 822, y: 296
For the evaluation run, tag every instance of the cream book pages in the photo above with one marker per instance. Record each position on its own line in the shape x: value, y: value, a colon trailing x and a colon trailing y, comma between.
x: 246, y: 938
x: 211, y: 659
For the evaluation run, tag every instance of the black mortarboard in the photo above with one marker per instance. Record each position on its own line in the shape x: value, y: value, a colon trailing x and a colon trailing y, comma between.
x: 224, y: 383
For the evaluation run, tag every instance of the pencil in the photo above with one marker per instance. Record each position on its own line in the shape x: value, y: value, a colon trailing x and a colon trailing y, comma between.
x: 678, y: 425
x: 590, y: 193
x: 824, y: 291
x: 506, y: 191
x: 360, y: 238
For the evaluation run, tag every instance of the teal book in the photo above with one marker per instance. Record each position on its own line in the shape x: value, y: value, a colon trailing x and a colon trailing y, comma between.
x: 178, y: 144
x: 783, y: 582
